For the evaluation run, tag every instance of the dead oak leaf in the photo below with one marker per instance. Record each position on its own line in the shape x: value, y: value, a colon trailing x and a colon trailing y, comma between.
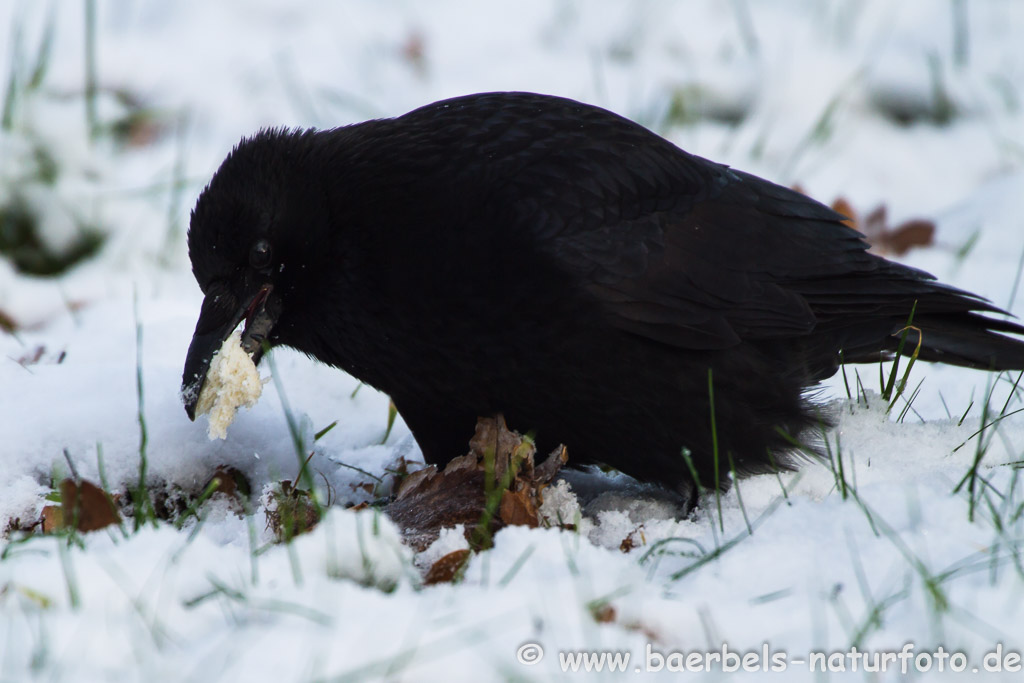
x: 900, y: 239
x: 446, y: 569
x: 500, y: 462
x: 84, y: 506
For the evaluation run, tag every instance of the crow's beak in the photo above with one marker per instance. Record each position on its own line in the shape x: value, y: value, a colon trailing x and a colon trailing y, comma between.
x: 217, y: 320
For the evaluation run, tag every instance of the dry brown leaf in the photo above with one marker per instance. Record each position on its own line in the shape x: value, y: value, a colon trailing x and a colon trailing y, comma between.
x: 52, y: 518
x: 87, y: 506
x: 900, y: 239
x: 910, y: 234
x: 429, y: 500
x: 447, y: 568
x: 517, y: 509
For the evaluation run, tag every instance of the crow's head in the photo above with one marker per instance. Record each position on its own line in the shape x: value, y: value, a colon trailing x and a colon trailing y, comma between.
x: 251, y: 241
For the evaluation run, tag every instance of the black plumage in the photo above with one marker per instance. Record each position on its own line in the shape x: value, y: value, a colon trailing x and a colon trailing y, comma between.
x: 562, y: 265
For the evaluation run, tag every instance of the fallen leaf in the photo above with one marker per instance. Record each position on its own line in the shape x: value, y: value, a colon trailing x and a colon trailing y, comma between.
x: 910, y: 234
x: 517, y: 509
x: 52, y: 518
x: 447, y: 568
x: 87, y: 506
x: 429, y: 500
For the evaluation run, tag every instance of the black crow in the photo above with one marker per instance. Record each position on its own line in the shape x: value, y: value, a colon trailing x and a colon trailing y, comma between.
x: 549, y: 260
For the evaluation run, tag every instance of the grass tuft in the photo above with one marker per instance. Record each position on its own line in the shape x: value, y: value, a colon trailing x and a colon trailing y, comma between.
x: 92, y: 119
x: 144, y: 509
x: 392, y: 414
x: 714, y: 449
x: 70, y: 580
x: 972, y: 478
x: 739, y: 496
x: 888, y: 387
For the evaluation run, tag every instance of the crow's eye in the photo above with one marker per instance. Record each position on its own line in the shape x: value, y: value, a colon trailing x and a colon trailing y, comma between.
x: 260, y: 254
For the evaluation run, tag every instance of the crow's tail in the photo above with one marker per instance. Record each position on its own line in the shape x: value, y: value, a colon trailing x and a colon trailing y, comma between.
x: 966, y: 339
x: 867, y: 317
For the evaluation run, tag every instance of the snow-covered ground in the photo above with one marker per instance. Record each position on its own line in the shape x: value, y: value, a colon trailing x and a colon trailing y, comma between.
x: 914, y: 104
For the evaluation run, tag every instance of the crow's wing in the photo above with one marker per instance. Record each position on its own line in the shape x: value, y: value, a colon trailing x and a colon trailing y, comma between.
x: 675, y: 248
x: 716, y: 269
x: 737, y: 258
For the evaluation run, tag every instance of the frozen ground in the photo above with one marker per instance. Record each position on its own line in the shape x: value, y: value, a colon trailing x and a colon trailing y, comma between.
x: 869, y: 100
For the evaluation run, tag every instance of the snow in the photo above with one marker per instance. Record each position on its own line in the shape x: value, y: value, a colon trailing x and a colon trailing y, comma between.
x: 811, y: 94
